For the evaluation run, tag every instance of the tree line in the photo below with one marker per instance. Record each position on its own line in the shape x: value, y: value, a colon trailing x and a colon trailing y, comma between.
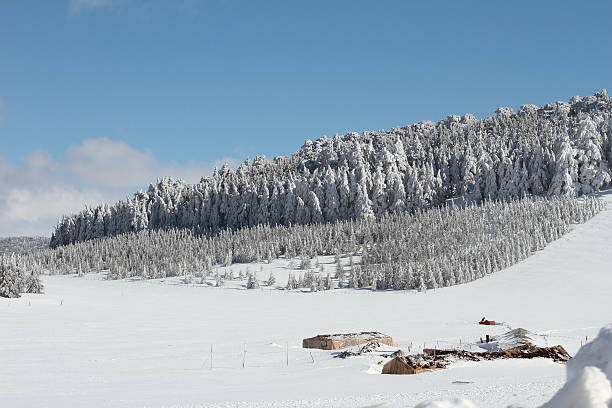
x: 426, y: 249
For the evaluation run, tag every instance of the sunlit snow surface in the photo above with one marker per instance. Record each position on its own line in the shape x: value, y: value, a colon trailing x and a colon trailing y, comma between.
x: 94, y: 343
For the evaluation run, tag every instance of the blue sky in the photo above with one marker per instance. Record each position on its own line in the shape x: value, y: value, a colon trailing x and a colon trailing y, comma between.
x: 183, y: 85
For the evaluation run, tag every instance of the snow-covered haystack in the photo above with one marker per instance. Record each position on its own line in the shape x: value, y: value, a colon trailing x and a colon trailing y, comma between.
x: 514, y: 338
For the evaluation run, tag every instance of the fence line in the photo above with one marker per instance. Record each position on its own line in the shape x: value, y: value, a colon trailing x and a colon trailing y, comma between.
x: 261, y: 354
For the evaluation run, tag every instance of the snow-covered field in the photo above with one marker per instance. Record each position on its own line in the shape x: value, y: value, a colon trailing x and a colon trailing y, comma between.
x: 94, y: 343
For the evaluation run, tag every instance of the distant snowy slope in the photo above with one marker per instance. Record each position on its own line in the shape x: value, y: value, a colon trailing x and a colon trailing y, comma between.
x: 22, y: 245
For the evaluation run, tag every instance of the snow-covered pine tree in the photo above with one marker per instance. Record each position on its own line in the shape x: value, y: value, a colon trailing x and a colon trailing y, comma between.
x: 565, y: 170
x: 271, y: 279
x: 593, y: 171
x: 252, y: 282
x: 10, y: 284
x: 33, y: 283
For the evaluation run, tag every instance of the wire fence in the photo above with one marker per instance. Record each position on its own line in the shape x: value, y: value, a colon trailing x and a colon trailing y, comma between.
x: 271, y: 354
x: 258, y: 355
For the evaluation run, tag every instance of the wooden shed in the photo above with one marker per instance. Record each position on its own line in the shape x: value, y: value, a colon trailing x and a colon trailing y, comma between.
x: 340, y: 341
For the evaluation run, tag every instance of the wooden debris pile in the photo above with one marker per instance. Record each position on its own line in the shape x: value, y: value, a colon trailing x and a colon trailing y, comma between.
x: 433, y: 359
x: 555, y: 353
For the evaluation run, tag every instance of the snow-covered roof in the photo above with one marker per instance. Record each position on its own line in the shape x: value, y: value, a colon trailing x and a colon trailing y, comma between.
x: 361, y: 335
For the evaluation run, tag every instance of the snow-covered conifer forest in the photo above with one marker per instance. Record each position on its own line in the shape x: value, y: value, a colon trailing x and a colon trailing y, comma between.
x: 16, y: 276
x: 16, y: 279
x: 560, y: 149
x: 426, y: 249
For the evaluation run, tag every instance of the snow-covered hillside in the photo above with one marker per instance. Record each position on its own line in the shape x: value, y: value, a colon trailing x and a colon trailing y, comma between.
x: 90, y: 342
x: 562, y: 148
x: 427, y: 250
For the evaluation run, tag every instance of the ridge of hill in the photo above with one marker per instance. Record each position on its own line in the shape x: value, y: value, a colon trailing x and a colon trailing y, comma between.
x: 22, y: 245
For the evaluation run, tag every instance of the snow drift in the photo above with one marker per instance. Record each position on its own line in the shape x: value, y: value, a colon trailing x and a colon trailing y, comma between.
x: 456, y: 403
x: 589, y: 376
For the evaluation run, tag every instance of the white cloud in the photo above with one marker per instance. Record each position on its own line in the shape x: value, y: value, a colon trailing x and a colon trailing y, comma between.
x: 39, y: 204
x: 114, y: 163
x: 38, y: 191
x: 39, y: 160
x: 109, y: 162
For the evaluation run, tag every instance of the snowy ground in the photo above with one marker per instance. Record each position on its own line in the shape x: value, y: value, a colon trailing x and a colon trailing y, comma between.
x: 94, y: 343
